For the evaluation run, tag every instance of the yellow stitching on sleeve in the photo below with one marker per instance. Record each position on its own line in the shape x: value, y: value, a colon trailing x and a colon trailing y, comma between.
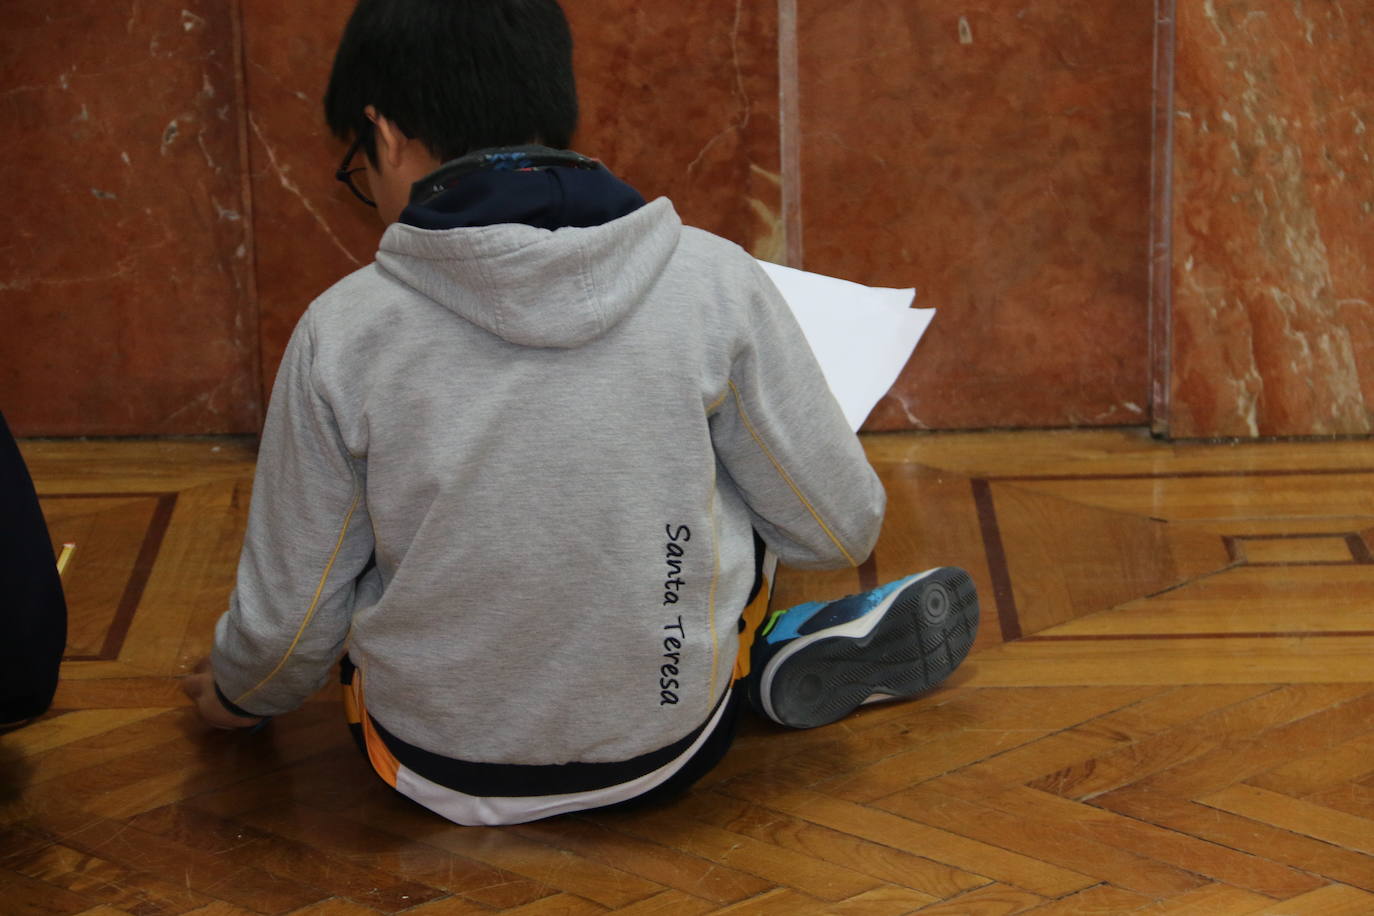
x: 744, y: 417
x: 315, y: 602
x: 718, y: 401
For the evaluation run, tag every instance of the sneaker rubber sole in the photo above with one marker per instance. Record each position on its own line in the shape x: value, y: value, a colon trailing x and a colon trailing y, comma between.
x: 906, y: 645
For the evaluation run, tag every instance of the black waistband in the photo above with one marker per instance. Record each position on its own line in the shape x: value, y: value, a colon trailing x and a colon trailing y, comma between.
x: 511, y: 779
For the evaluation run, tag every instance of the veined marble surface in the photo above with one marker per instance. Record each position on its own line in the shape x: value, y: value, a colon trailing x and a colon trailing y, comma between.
x: 124, y: 257
x: 997, y: 158
x: 680, y: 101
x: 1273, y: 292
x: 172, y: 206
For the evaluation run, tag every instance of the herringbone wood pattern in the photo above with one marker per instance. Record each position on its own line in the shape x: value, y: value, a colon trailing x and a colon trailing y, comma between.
x: 1170, y: 710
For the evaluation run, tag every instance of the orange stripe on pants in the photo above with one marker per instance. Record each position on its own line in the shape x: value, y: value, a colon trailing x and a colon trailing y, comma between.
x: 355, y: 710
x: 753, y: 618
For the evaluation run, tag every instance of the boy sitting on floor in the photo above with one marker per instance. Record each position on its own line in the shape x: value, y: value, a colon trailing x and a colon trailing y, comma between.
x: 522, y: 466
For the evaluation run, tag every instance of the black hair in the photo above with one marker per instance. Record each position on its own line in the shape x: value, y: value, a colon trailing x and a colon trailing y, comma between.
x: 458, y: 75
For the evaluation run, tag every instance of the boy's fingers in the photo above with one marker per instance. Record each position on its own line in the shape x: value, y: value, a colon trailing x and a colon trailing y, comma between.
x: 194, y: 684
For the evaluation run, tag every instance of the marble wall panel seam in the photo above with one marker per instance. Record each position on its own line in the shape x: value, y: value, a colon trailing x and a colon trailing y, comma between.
x: 1161, y: 220
x: 250, y: 255
x: 789, y: 133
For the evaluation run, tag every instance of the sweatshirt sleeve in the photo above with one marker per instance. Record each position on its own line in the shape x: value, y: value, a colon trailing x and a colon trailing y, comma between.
x: 782, y: 438
x: 308, y: 540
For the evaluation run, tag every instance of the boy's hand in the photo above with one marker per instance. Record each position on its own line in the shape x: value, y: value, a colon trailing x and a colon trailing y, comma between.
x: 200, y: 687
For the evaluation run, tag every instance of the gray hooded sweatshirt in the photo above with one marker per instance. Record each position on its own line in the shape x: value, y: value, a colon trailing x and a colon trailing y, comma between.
x: 502, y: 464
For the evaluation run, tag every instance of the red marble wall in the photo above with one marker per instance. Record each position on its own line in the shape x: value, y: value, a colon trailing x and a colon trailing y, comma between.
x: 308, y: 230
x: 704, y: 135
x: 1004, y: 170
x: 681, y: 100
x: 1273, y: 289
x: 997, y: 157
x: 164, y: 308
x: 173, y: 208
x: 124, y: 263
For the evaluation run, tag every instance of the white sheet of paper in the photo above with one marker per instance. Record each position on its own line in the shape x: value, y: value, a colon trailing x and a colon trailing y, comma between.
x: 862, y: 335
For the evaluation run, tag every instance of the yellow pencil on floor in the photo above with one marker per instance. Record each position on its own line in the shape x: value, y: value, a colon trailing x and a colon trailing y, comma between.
x: 63, y: 558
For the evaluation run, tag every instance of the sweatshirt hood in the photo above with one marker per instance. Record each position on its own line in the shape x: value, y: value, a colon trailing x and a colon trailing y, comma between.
x: 552, y: 257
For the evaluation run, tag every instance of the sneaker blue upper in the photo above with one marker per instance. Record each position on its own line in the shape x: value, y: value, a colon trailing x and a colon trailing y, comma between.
x: 813, y: 616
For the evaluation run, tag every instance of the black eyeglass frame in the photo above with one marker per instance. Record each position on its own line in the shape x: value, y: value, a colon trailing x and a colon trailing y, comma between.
x: 345, y: 174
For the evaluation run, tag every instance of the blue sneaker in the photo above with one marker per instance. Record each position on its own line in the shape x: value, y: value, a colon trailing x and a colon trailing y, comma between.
x: 817, y: 662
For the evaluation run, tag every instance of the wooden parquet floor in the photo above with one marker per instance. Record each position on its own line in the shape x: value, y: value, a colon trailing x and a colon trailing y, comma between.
x: 1170, y: 709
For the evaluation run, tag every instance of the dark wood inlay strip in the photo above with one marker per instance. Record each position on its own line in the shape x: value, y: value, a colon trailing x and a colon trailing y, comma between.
x: 1306, y: 535
x: 1118, y: 637
x: 1279, y: 563
x: 124, y: 495
x: 1235, y: 550
x: 1007, y: 615
x: 1183, y: 475
x: 138, y: 577
x: 1359, y: 549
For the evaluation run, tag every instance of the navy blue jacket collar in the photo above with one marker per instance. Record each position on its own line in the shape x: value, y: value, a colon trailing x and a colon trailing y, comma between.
x: 547, y: 197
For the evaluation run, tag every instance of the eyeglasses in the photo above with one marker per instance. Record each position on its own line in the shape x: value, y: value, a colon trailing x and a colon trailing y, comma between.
x: 345, y: 173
